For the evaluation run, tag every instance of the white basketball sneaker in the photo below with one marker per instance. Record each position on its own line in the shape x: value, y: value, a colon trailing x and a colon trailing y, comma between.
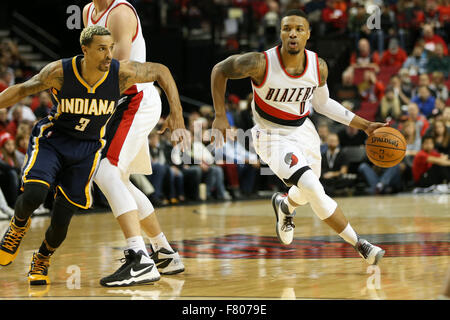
x: 372, y: 254
x: 168, y: 262
x: 285, y: 226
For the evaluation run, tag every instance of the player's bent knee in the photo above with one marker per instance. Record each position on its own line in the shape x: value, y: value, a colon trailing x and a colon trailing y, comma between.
x: 322, y: 205
x: 33, y: 196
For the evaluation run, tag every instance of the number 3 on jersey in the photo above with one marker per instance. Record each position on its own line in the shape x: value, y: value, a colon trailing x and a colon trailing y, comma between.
x: 82, y: 124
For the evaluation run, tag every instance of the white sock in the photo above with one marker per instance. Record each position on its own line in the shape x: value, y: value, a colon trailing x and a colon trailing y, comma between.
x: 159, y: 242
x: 137, y: 244
x: 349, y: 235
x: 291, y: 208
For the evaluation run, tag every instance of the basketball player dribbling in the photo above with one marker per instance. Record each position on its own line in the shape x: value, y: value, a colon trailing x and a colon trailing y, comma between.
x: 65, y: 147
x: 287, y: 81
x: 127, y: 150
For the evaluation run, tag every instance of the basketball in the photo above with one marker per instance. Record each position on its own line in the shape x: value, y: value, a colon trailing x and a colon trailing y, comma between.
x: 386, y: 147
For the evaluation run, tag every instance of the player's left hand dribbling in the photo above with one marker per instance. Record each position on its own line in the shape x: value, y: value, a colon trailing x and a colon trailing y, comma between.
x: 374, y: 126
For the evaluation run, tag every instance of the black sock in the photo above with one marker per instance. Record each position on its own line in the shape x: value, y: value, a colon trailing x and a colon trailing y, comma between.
x: 20, y: 223
x: 45, y: 250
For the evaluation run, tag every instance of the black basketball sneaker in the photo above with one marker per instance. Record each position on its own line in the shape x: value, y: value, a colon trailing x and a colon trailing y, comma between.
x: 168, y: 262
x: 137, y: 268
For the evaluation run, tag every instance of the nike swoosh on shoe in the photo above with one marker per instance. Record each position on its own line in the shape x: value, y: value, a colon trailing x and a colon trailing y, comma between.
x: 139, y: 272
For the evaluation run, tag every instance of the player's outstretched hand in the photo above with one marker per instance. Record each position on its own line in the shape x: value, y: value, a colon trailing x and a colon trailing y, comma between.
x: 175, y: 123
x: 374, y: 126
x: 219, y: 125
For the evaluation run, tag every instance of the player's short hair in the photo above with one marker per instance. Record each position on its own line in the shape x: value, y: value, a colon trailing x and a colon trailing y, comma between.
x: 87, y: 35
x: 295, y: 12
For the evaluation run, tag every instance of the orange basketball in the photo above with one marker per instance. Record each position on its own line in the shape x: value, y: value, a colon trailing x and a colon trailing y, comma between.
x: 386, y: 147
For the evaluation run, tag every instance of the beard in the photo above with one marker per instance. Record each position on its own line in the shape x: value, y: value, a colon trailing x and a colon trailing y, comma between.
x: 293, y: 52
x: 101, y: 67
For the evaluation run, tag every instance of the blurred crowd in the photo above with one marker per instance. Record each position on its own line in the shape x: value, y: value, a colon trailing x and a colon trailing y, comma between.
x: 397, y: 73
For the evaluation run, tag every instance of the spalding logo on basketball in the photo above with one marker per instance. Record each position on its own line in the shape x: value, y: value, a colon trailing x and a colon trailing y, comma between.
x: 386, y: 147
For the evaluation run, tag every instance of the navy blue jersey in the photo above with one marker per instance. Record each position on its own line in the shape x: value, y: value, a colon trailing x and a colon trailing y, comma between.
x: 82, y: 111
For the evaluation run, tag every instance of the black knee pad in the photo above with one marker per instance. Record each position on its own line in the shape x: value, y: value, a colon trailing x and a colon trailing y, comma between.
x: 62, y: 213
x: 33, y: 196
x: 293, y: 180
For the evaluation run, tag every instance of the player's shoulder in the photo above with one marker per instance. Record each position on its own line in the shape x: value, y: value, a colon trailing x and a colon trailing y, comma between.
x: 122, y: 10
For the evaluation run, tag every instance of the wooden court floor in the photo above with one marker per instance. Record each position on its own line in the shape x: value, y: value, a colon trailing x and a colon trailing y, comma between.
x: 230, y: 251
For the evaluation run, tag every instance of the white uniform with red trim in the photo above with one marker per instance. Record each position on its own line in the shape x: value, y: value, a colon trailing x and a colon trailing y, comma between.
x: 283, y: 136
x: 128, y: 149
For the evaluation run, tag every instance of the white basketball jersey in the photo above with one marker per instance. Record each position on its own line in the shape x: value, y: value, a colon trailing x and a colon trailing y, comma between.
x: 138, y: 52
x: 283, y: 100
x: 138, y: 48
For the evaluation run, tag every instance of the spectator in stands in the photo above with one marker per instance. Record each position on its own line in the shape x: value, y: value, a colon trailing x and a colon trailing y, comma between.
x: 27, y: 113
x: 388, y: 29
x: 371, y: 90
x: 349, y: 136
x: 270, y: 25
x: 15, y: 121
x: 432, y: 39
x: 233, y: 110
x: 9, y: 154
x: 357, y: 23
x: 334, y: 166
x: 212, y: 175
x: 416, y: 63
x: 413, y: 145
x: 394, y: 56
x: 381, y: 180
x: 402, y: 89
x: 425, y: 101
x: 429, y: 166
x: 3, y: 120
x: 439, y: 86
x: 323, y: 131
x: 363, y: 56
x: 245, y: 116
x: 441, y: 137
x: 21, y: 142
x: 390, y: 106
x: 246, y: 162
x: 44, y: 107
x: 6, y: 78
x: 160, y: 170
x: 334, y: 16
x: 446, y: 117
x: 424, y: 80
x: 439, y: 106
x: 439, y: 61
x: 347, y: 90
x: 420, y: 120
x: 10, y: 164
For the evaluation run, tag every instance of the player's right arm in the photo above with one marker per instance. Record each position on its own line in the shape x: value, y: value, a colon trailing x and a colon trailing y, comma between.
x: 252, y: 64
x: 51, y: 76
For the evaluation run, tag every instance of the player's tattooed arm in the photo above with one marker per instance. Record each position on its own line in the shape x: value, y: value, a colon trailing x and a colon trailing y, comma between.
x: 252, y: 64
x: 132, y: 72
x: 323, y: 72
x: 51, y: 76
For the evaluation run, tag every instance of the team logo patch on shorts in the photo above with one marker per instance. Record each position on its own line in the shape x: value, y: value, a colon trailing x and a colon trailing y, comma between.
x: 291, y: 159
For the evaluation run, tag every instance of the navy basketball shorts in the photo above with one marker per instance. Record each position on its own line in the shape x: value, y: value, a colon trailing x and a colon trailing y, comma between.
x: 62, y: 162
